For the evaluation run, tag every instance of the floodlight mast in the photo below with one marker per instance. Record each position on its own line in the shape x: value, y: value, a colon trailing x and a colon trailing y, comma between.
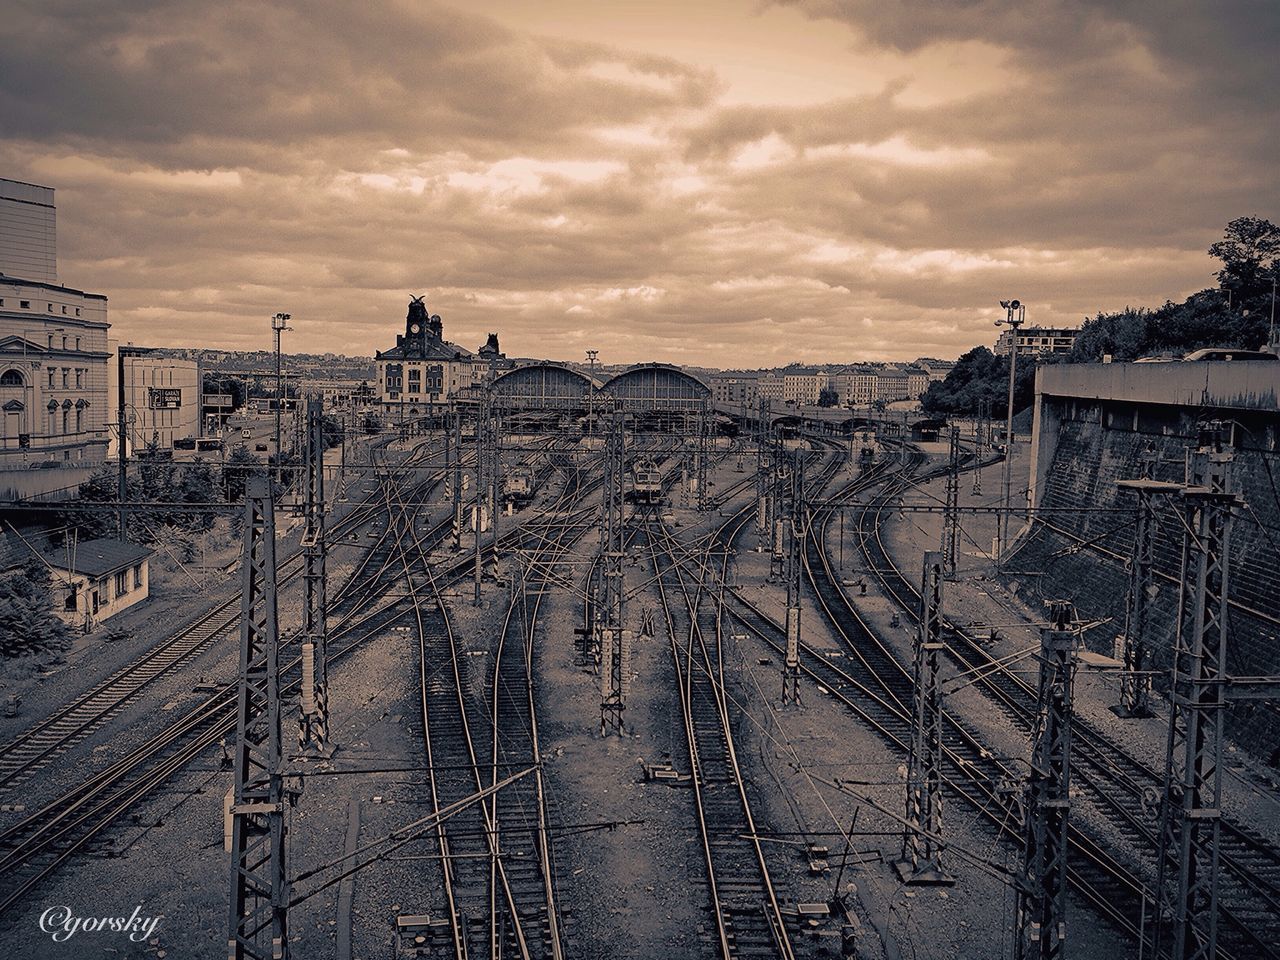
x: 1015, y: 316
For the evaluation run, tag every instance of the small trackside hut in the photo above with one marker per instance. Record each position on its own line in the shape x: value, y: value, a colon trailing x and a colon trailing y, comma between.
x: 96, y: 579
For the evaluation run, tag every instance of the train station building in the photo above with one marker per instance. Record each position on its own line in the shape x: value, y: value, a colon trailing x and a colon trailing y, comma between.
x: 423, y: 369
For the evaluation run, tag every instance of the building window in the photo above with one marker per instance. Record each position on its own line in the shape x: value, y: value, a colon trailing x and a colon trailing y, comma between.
x: 77, y: 343
x: 65, y: 373
x: 25, y: 304
x: 64, y: 308
x: 79, y: 377
x: 64, y: 341
x: 77, y: 311
x: 51, y: 341
x: 137, y: 577
x: 122, y: 583
x: 79, y: 420
x: 50, y: 306
x: 66, y: 416
x: 11, y: 378
x: 71, y: 602
x: 51, y: 372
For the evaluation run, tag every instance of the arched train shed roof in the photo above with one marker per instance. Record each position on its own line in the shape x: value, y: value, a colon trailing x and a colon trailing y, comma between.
x: 658, y: 386
x: 542, y: 385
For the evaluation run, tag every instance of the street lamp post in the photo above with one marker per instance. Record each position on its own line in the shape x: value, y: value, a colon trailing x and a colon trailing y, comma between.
x: 279, y: 324
x: 1015, y: 316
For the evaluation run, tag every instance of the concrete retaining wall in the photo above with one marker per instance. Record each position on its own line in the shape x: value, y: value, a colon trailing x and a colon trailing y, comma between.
x: 1085, y: 448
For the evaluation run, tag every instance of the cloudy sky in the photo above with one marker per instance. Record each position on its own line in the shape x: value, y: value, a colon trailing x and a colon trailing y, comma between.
x: 720, y: 182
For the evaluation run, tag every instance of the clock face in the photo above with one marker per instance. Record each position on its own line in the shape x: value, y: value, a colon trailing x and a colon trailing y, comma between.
x: 415, y: 328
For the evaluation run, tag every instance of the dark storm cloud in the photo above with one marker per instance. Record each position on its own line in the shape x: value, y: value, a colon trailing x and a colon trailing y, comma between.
x: 285, y: 73
x: 218, y: 161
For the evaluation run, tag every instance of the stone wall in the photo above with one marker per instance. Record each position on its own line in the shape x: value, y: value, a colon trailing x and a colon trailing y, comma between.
x: 1083, y: 555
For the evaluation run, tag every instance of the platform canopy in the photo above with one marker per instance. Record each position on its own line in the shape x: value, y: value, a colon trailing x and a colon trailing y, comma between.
x: 542, y: 386
x: 658, y: 387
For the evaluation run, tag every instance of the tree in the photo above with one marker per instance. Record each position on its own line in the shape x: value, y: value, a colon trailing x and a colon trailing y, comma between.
x: 1249, y: 251
x: 332, y: 430
x: 981, y: 375
x: 828, y: 397
x: 239, y: 467
x: 155, y: 472
x: 103, y: 486
x: 27, y: 621
x: 199, y: 484
x: 1204, y: 319
x: 231, y: 386
x: 372, y: 423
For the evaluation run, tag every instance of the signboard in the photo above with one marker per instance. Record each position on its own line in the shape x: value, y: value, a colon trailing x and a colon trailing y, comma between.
x: 164, y: 398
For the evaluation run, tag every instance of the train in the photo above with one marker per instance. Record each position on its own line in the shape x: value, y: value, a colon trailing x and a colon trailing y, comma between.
x: 646, y: 482
x: 517, y: 486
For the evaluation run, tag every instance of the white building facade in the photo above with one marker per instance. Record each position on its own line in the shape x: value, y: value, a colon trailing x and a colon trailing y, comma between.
x: 162, y: 400
x: 53, y: 375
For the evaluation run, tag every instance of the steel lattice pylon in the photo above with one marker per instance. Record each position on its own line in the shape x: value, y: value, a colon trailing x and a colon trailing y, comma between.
x: 1135, y: 681
x: 981, y: 438
x: 702, y: 500
x: 951, y: 510
x: 1187, y: 914
x: 259, y: 891
x: 781, y: 479
x: 793, y: 528
x: 1041, y: 890
x: 615, y: 660
x: 762, y: 476
x: 313, y: 723
x: 922, y: 844
x: 455, y: 419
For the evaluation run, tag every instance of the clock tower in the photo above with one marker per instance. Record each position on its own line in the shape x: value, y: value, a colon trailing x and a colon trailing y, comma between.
x: 416, y: 323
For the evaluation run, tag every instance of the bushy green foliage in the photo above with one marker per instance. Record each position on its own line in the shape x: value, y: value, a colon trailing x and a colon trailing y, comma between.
x: 27, y: 622
x: 332, y: 430
x: 1202, y: 320
x: 1237, y: 314
x: 981, y: 375
x: 240, y: 465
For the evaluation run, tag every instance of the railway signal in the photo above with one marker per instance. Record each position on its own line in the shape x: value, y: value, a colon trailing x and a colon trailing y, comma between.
x: 258, y: 926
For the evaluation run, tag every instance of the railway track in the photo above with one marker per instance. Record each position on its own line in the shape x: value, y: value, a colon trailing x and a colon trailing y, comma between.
x: 53, y: 735
x: 43, y: 840
x: 744, y: 904
x: 1112, y: 778
x: 497, y: 879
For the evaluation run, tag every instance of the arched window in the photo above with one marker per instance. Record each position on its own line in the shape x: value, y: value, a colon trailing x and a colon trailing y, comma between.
x: 11, y: 378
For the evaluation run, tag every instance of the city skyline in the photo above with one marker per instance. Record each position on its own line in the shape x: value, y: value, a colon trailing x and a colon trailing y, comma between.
x: 736, y: 185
